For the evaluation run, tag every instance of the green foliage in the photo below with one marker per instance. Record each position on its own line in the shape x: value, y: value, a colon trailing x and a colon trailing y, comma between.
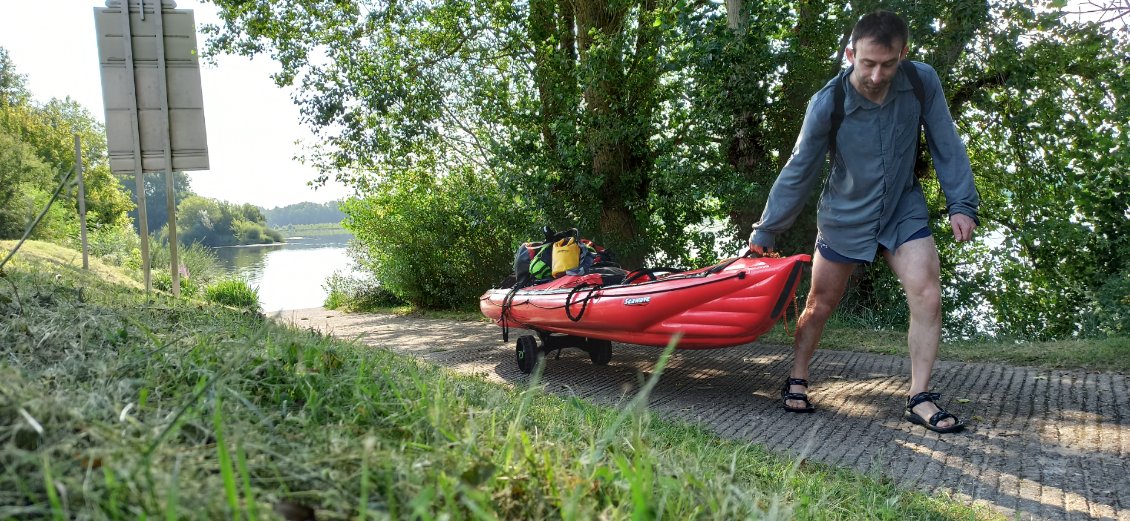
x: 658, y: 127
x: 37, y: 151
x: 117, y: 245
x: 1045, y: 116
x: 163, y: 281
x: 357, y: 294
x: 437, y: 243
x: 200, y: 263
x: 304, y: 213
x: 219, y: 223
x: 21, y: 174
x: 156, y: 199
x: 236, y: 293
x: 1112, y: 306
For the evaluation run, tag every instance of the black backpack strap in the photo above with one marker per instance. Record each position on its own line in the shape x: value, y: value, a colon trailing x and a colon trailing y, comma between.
x: 837, y: 112
x: 911, y: 72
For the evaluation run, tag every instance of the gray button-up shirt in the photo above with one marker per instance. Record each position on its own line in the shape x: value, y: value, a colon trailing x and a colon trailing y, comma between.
x: 871, y: 197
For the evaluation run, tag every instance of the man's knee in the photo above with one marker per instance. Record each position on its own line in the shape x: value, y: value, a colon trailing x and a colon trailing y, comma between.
x: 820, y: 307
x: 925, y: 301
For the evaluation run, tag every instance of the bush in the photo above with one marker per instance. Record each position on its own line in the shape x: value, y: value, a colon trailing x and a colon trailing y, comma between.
x: 236, y: 293
x: 164, y: 282
x: 200, y: 262
x: 115, y: 244
x: 1112, y: 306
x: 352, y: 294
x: 437, y: 243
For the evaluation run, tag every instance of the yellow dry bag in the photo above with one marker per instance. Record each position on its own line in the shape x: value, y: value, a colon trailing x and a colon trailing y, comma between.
x: 566, y: 256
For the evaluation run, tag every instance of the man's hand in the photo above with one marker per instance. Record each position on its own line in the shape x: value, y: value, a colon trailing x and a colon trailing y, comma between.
x: 759, y: 250
x: 963, y: 226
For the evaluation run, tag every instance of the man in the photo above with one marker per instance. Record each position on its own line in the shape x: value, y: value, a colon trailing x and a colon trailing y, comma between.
x: 872, y: 201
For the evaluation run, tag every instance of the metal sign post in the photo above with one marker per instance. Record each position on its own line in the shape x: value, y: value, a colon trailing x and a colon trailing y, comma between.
x: 154, y: 104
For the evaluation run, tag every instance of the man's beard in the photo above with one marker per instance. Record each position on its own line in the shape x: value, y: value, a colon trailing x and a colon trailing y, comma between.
x: 867, y: 86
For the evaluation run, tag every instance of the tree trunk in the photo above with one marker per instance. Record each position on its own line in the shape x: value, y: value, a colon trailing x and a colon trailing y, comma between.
x: 619, y: 104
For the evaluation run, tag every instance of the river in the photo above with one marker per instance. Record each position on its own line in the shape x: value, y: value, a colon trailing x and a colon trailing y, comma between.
x: 290, y: 275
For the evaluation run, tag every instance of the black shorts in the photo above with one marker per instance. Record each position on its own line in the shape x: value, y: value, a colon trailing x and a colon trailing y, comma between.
x: 832, y: 255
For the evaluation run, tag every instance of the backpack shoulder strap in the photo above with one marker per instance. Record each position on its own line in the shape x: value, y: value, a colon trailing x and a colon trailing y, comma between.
x: 837, y: 112
x: 911, y: 72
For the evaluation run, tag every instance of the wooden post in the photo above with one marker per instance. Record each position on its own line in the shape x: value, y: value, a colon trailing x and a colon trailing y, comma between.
x: 170, y: 189
x: 81, y: 203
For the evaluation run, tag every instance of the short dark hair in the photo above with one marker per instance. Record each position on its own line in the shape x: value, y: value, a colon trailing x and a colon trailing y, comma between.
x: 885, y: 27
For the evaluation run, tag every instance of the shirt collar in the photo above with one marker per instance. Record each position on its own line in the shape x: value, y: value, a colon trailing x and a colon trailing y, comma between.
x: 854, y: 100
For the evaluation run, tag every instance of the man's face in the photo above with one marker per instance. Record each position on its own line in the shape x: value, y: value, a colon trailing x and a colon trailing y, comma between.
x: 875, y: 65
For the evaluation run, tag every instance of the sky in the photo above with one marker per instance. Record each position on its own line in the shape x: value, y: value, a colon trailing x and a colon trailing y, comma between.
x: 252, y: 125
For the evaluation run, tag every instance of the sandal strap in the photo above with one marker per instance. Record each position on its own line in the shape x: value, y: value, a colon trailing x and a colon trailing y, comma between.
x: 795, y: 396
x: 939, y: 416
x: 922, y: 397
x: 797, y: 381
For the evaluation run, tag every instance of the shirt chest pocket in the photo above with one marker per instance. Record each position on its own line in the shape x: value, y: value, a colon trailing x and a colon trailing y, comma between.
x: 907, y: 124
x: 906, y: 135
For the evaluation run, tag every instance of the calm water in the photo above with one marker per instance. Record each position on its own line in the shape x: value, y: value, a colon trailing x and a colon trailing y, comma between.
x: 291, y: 275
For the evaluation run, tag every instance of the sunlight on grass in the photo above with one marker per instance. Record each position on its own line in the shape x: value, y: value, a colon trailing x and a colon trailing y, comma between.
x: 183, y: 410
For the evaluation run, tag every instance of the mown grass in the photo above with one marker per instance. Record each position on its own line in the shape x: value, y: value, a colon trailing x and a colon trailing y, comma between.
x: 113, y: 406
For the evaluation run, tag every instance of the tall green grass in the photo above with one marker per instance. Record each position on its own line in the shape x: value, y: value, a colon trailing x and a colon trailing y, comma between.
x: 177, y: 410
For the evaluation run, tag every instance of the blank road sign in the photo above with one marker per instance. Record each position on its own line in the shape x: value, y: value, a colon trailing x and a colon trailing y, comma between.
x: 188, y: 139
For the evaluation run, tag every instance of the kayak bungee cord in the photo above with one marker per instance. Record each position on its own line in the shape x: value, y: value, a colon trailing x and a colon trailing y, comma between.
x: 584, y: 301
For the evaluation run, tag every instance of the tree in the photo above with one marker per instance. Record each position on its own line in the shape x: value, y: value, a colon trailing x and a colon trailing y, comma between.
x: 658, y: 126
x: 220, y: 223
x: 13, y: 85
x: 305, y: 213
x: 46, y: 133
x: 156, y: 206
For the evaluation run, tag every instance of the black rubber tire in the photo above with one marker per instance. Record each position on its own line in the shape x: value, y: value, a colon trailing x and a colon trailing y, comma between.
x: 601, y: 353
x: 527, y: 352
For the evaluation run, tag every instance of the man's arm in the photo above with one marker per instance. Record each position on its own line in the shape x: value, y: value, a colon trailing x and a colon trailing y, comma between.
x: 951, y: 161
x: 791, y: 189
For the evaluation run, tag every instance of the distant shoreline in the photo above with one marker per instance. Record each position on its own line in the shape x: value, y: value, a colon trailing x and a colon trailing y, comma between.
x: 312, y: 230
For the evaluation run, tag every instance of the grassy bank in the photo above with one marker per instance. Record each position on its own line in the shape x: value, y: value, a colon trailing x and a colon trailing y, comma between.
x: 113, y: 406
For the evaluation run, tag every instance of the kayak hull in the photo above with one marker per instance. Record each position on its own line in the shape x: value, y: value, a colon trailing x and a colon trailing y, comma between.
x: 729, y: 304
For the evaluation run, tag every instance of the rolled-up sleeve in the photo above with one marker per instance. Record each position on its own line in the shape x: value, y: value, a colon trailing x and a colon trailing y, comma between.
x: 951, y: 161
x: 801, y: 172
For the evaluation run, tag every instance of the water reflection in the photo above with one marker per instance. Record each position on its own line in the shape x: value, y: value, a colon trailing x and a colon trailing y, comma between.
x: 290, y: 275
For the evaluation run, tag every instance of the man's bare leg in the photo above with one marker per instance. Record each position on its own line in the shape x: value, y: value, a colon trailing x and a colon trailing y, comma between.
x: 917, y: 267
x: 829, y: 279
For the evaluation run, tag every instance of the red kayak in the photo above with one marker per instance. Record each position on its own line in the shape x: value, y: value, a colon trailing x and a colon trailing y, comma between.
x: 725, y: 305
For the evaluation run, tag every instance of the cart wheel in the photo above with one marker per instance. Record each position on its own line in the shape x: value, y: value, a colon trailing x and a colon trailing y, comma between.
x: 528, y: 353
x: 601, y: 353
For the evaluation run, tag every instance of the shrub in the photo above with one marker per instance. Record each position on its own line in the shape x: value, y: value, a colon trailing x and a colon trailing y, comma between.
x: 437, y: 243
x: 1112, y: 306
x: 115, y: 244
x: 163, y: 281
x: 236, y: 293
x: 199, y: 261
x: 352, y: 294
